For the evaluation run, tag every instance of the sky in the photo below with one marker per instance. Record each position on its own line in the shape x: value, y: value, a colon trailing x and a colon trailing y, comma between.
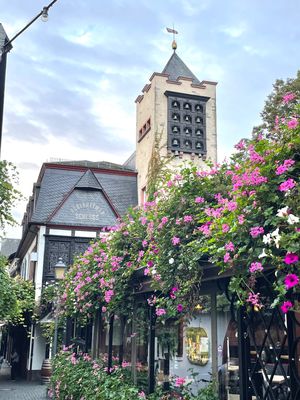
x: 71, y: 82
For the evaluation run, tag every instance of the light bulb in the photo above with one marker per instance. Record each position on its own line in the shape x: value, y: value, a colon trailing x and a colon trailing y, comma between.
x: 44, y: 16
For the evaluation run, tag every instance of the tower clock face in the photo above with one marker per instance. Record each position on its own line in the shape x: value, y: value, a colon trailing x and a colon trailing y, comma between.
x: 186, y: 123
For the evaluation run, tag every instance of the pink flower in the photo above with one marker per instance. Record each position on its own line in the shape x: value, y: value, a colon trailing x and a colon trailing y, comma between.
x: 225, y: 228
x: 108, y: 295
x: 173, y: 291
x: 178, y: 177
x: 287, y: 185
x: 291, y: 280
x: 281, y: 169
x: 255, y: 266
x: 229, y: 246
x: 160, y: 311
x: 256, y: 231
x: 179, y: 382
x: 240, y: 145
x: 241, y: 219
x: 293, y: 123
x: 175, y: 240
x: 288, y: 97
x: 169, y: 183
x: 142, y: 395
x: 226, y: 257
x: 187, y: 218
x: 126, y: 364
x: 232, y: 205
x: 253, y: 299
x: 286, y: 306
x: 205, y: 229
x: 199, y: 200
x: 143, y: 220
x: 103, y: 309
x: 179, y: 307
x: 291, y: 258
x: 164, y: 220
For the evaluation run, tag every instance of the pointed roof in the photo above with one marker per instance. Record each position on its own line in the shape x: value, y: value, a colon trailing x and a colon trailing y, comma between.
x: 88, y: 181
x: 175, y: 68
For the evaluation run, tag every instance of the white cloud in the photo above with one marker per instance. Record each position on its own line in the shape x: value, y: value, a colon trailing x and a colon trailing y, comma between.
x: 86, y: 38
x: 254, y: 51
x: 234, y: 31
x: 193, y: 7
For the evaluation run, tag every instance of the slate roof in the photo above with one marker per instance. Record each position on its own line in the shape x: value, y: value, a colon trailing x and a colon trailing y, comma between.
x: 9, y: 246
x: 4, y: 38
x: 175, y: 68
x: 88, y: 181
x: 94, y: 210
x: 61, y: 188
x: 96, y: 164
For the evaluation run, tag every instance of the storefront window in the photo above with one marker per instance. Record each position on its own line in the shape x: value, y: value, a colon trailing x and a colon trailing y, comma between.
x: 140, y: 341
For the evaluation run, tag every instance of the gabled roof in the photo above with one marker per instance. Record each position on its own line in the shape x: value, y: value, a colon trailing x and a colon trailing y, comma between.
x: 63, y: 187
x: 85, y: 208
x: 176, y: 68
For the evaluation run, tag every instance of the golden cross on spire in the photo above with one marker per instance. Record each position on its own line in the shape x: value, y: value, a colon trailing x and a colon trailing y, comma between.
x: 174, y: 44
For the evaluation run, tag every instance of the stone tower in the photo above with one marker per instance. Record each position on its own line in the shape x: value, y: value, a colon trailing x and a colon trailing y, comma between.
x: 183, y: 109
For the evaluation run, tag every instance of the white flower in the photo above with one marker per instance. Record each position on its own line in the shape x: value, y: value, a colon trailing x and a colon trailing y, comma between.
x: 275, y: 233
x: 292, y: 219
x: 276, y: 241
x: 283, y: 212
x: 153, y: 271
x: 267, y: 239
x: 263, y: 254
x: 276, y: 237
x: 171, y: 261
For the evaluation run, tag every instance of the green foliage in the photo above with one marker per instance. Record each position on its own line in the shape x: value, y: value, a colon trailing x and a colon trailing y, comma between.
x: 16, y: 296
x: 274, y: 105
x: 198, y: 217
x: 8, y: 298
x: 78, y: 377
x: 8, y: 194
x: 158, y: 166
x: 25, y: 301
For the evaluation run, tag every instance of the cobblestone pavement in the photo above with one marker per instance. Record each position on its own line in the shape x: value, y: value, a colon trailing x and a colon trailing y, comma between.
x: 20, y: 390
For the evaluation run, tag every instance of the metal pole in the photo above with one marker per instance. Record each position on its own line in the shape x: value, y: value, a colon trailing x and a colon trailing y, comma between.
x: 151, y: 356
x: 244, y: 352
x: 290, y: 324
x: 6, y: 47
x: 2, y: 89
x: 110, y: 343
x: 54, y: 347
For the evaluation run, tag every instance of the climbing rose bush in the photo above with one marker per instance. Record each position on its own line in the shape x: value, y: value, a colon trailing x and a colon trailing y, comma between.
x: 241, y: 215
x: 77, y: 376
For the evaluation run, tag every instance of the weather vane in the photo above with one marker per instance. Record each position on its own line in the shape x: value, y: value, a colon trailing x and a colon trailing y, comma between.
x: 174, y: 44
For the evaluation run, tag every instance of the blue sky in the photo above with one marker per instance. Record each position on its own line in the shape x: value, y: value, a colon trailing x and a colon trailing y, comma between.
x: 71, y: 82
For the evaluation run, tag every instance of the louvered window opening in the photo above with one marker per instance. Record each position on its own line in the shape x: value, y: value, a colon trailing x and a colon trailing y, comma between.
x: 186, y: 124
